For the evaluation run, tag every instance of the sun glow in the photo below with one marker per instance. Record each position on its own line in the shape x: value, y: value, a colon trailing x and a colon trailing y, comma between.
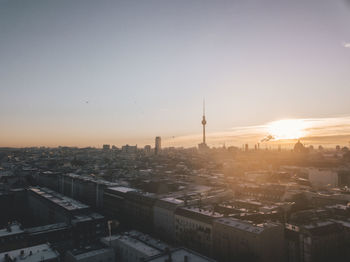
x: 287, y: 129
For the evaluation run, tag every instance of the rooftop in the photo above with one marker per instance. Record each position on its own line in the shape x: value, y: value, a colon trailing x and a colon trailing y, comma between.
x: 178, y: 255
x: 89, y: 252
x: 91, y: 179
x: 136, y: 244
x: 245, y: 225
x: 173, y: 200
x: 58, y: 199
x: 200, y: 214
x: 46, y: 228
x: 155, y: 243
x: 122, y: 189
x: 12, y: 229
x: 31, y: 254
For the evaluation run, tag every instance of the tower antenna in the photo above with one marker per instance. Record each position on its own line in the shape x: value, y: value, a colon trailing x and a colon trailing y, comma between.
x: 203, y: 107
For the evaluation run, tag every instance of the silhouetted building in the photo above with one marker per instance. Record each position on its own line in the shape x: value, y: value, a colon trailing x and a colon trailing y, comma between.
x: 147, y: 149
x: 127, y: 149
x: 299, y: 147
x: 106, y: 147
x: 158, y: 145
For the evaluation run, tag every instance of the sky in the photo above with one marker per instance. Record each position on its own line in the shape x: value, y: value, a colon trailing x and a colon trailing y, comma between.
x: 85, y: 73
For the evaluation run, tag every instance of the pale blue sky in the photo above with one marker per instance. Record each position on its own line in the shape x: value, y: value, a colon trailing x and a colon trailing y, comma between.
x: 145, y: 66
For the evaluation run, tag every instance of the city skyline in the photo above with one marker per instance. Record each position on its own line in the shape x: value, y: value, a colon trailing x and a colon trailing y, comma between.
x: 84, y: 73
x: 327, y: 132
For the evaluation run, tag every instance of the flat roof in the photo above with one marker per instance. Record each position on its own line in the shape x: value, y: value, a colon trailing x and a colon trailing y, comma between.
x: 201, y: 211
x: 15, y: 229
x: 245, y: 225
x: 90, y: 179
x: 155, y: 243
x: 58, y: 199
x: 81, y: 254
x: 122, y: 189
x: 136, y: 244
x: 38, y: 253
x: 173, y: 200
x: 45, y: 228
x: 179, y: 254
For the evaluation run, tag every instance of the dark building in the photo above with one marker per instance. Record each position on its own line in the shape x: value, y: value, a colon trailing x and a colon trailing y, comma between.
x: 319, y: 241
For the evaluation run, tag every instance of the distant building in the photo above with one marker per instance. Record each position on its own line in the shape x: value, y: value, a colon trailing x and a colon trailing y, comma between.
x: 158, y: 145
x: 129, y: 149
x: 322, y: 177
x: 299, y: 147
x: 147, y: 149
x: 106, y: 147
x: 42, y: 253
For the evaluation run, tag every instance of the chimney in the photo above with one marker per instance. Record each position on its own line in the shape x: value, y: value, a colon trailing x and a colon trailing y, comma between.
x: 185, y: 258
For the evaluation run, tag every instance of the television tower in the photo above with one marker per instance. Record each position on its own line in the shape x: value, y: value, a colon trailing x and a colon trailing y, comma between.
x: 204, y: 122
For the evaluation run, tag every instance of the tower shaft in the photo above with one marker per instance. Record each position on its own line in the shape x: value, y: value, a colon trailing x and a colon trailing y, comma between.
x: 204, y: 122
x: 204, y: 132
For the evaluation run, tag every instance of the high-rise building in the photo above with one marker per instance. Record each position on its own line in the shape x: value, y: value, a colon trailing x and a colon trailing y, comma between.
x: 158, y: 145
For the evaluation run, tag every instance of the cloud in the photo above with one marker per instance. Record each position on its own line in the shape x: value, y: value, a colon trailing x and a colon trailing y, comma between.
x: 346, y: 45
